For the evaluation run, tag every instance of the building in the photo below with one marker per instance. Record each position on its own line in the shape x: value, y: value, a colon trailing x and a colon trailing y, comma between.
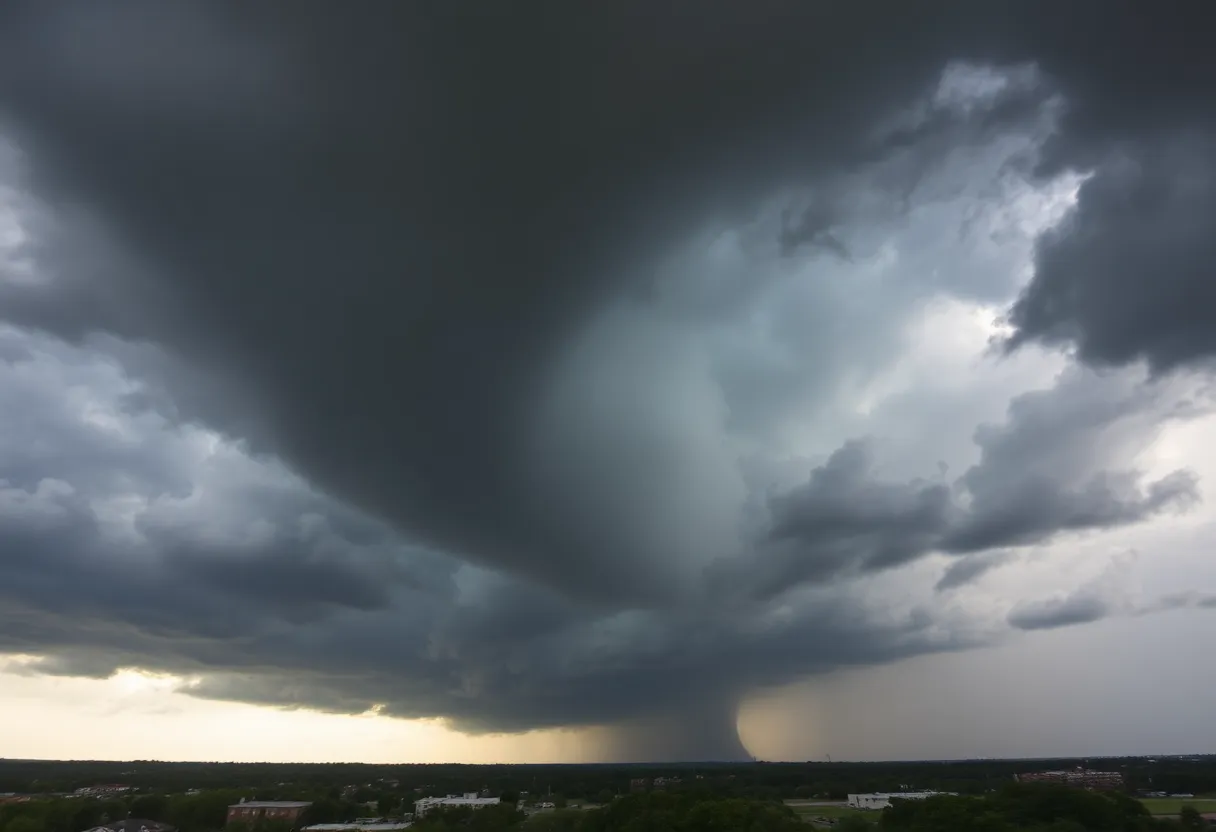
x: 101, y: 791
x: 134, y: 825
x: 254, y: 811
x: 1080, y: 778
x: 360, y: 825
x: 469, y: 799
x: 881, y: 800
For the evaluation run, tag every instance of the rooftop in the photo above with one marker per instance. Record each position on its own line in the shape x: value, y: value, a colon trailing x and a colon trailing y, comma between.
x: 133, y: 825
x: 272, y: 804
x: 361, y: 827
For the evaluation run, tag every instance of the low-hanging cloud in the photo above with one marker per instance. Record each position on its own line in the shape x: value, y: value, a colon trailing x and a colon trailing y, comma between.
x: 1069, y: 611
x: 971, y: 568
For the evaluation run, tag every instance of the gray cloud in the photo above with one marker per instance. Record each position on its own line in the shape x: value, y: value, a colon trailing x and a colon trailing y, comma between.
x: 1180, y: 600
x: 812, y: 228
x: 482, y: 404
x: 259, y: 589
x: 1129, y: 277
x: 969, y: 569
x: 1094, y: 603
x: 1080, y: 608
x: 1041, y: 473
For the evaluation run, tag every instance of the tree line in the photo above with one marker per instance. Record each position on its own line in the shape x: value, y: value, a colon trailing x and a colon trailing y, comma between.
x: 759, y: 781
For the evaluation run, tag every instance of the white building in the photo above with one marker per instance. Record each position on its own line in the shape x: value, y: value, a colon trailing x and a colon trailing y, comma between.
x: 470, y: 799
x: 881, y: 800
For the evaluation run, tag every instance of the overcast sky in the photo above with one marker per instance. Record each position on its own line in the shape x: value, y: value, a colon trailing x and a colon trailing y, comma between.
x: 612, y: 381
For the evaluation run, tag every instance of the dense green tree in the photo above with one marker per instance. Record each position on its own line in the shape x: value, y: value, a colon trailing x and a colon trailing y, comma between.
x: 1189, y: 818
x: 569, y: 820
x: 488, y: 819
x: 854, y: 823
x: 1196, y: 775
x: 1042, y: 808
x: 24, y: 823
x: 150, y: 807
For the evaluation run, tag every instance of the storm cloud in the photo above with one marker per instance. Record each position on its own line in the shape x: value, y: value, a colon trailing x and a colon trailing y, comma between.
x: 536, y: 366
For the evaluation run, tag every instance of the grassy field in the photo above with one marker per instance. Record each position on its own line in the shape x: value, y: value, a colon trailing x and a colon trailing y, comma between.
x: 1173, y: 805
x: 807, y: 810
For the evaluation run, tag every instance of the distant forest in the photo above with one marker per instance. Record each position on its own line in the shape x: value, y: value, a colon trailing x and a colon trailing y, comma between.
x: 763, y: 781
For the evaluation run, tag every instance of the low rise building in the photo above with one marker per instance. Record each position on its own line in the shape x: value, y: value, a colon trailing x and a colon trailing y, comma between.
x: 881, y: 800
x: 133, y: 825
x: 102, y: 790
x: 468, y: 799
x: 253, y: 811
x: 360, y: 825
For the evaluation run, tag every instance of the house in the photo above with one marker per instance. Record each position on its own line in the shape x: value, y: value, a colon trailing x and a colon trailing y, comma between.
x: 469, y: 799
x: 134, y: 825
x: 252, y: 811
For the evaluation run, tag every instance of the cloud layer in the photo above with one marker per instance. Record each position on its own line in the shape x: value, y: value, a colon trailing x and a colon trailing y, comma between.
x: 530, y: 369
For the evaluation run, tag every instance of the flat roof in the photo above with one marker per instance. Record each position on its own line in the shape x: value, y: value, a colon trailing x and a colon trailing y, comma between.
x: 361, y: 827
x: 272, y: 804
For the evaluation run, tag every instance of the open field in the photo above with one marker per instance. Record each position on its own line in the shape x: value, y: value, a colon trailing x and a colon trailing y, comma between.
x: 1173, y: 805
x: 810, y: 809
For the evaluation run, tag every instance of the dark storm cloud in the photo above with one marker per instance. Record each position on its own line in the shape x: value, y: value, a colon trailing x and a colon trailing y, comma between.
x: 261, y: 590
x: 417, y: 222
x: 1042, y: 472
x: 844, y: 518
x: 1130, y: 276
x: 362, y: 239
x: 1063, y: 612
